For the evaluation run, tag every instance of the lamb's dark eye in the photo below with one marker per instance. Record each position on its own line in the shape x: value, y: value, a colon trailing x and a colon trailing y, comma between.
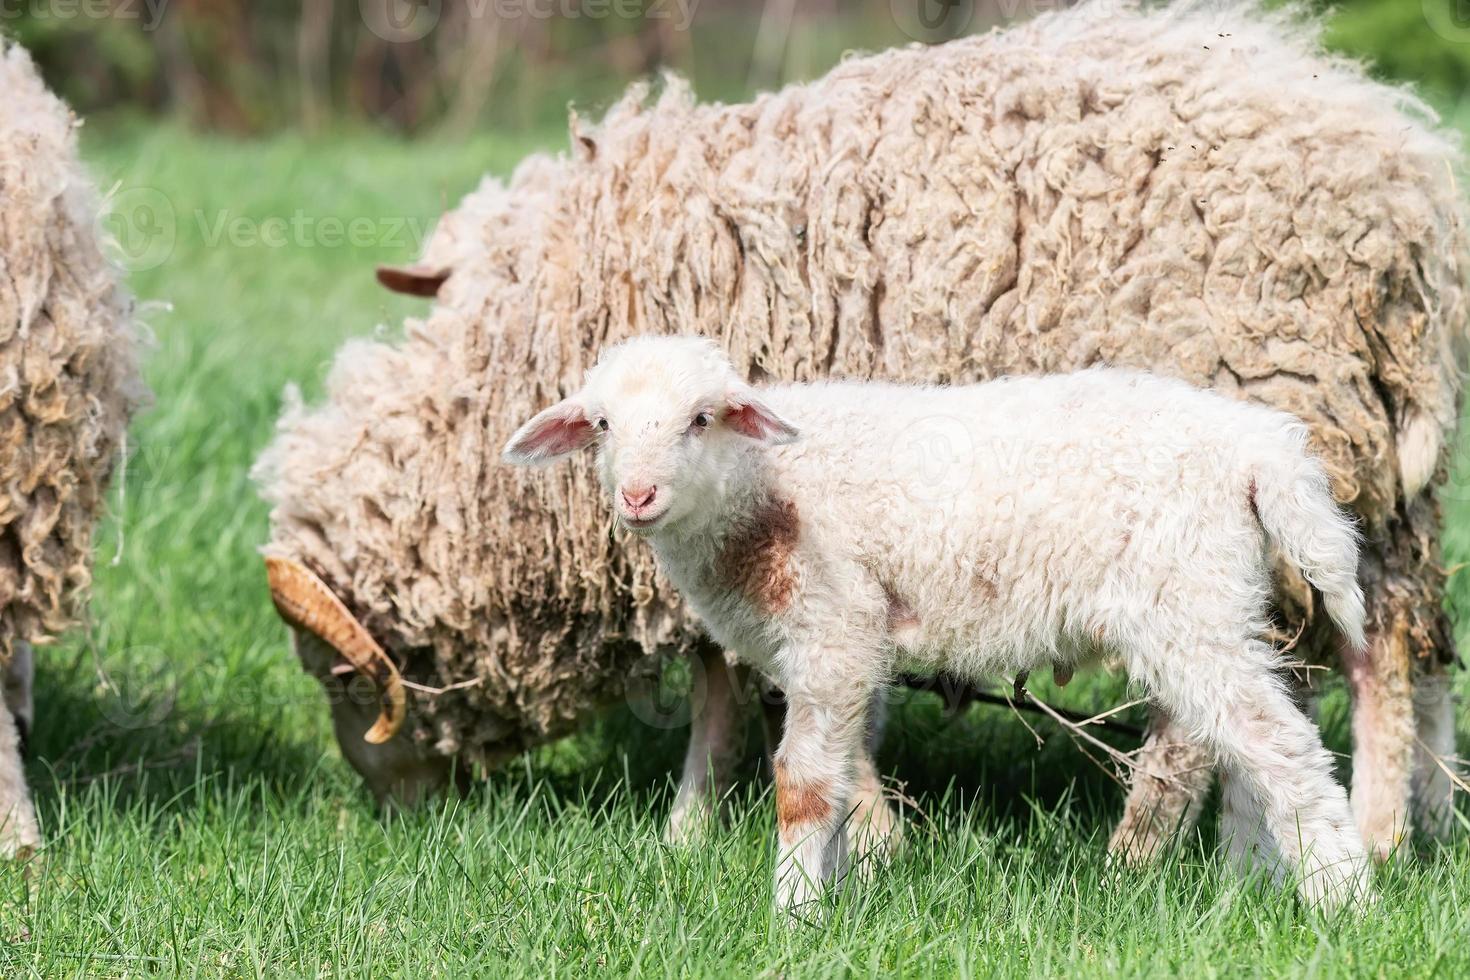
x: 602, y: 425
x: 703, y: 420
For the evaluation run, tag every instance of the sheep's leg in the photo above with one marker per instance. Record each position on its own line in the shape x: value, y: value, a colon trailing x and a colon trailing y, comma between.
x: 1434, y: 790
x: 20, y: 835
x: 1171, y: 778
x: 1267, y: 745
x: 714, y: 737
x: 1383, y: 737
x: 18, y: 685
x: 874, y: 830
x: 1244, y: 836
x: 814, y: 780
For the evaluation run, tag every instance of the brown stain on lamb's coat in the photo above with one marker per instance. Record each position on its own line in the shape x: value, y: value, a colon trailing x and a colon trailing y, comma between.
x: 757, y: 559
x: 800, y: 803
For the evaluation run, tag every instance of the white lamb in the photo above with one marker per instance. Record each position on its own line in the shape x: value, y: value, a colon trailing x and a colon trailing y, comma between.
x: 981, y: 530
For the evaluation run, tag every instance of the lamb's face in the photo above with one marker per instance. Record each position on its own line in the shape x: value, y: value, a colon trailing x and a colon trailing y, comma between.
x: 669, y: 418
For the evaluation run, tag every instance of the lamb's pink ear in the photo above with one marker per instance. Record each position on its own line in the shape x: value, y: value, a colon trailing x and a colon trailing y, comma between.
x: 748, y: 414
x: 562, y: 429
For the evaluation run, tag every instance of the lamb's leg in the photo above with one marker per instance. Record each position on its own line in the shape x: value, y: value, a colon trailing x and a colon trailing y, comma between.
x: 1171, y: 778
x: 714, y: 736
x: 814, y: 779
x: 1264, y: 741
x: 875, y: 829
x: 1244, y: 836
x: 1434, y: 708
x: 1383, y: 737
x: 20, y: 835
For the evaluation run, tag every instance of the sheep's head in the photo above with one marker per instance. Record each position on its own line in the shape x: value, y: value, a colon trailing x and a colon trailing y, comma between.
x: 668, y: 416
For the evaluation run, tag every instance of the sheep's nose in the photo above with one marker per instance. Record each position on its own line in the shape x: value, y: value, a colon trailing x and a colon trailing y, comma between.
x: 637, y: 498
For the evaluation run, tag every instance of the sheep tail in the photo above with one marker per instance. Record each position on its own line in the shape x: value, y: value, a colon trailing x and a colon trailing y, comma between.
x: 1293, y: 500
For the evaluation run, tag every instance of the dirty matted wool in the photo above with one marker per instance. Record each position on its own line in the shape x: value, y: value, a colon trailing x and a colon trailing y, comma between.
x: 1198, y: 192
x: 68, y: 370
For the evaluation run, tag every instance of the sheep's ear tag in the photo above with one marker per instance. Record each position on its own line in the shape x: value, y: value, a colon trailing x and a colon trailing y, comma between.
x: 413, y: 280
x: 306, y: 603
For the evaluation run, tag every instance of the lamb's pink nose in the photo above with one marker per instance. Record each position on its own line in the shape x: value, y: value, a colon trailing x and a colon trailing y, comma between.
x: 638, y: 498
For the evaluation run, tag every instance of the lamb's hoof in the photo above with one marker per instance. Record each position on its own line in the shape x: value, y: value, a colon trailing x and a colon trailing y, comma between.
x: 691, y: 821
x: 874, y: 838
x: 19, y: 845
x: 799, y: 901
x: 1345, y: 885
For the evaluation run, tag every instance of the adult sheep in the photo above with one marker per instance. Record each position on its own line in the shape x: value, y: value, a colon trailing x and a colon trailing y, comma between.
x: 68, y: 385
x: 1200, y: 193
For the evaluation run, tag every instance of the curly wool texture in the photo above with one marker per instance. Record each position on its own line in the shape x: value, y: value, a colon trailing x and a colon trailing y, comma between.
x: 1198, y: 192
x: 68, y: 371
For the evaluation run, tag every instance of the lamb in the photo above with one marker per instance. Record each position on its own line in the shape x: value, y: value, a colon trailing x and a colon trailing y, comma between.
x: 1093, y: 187
x: 68, y: 386
x: 1070, y: 515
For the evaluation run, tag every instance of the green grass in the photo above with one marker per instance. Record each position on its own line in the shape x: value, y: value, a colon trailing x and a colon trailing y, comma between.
x: 200, y: 819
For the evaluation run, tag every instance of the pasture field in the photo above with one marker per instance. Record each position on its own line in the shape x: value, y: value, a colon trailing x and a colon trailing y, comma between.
x: 201, y: 822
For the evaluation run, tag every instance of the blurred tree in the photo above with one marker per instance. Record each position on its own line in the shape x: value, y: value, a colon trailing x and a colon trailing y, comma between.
x: 252, y: 65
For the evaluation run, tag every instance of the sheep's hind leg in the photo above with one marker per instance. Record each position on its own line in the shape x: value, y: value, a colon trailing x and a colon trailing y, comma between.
x: 714, y: 737
x: 18, y: 684
x: 1170, y: 780
x: 20, y: 835
x: 1383, y: 736
x: 1265, y: 742
x: 1434, y: 789
x: 814, y: 781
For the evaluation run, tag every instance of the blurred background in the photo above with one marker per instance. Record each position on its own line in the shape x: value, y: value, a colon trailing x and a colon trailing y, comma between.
x: 408, y: 66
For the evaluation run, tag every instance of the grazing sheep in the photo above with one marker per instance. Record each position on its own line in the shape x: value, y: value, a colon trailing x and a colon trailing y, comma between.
x: 1067, y: 516
x: 1095, y: 186
x: 68, y: 385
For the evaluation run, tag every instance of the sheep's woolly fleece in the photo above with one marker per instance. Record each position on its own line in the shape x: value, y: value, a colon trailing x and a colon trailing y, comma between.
x: 1198, y: 192
x: 68, y: 371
